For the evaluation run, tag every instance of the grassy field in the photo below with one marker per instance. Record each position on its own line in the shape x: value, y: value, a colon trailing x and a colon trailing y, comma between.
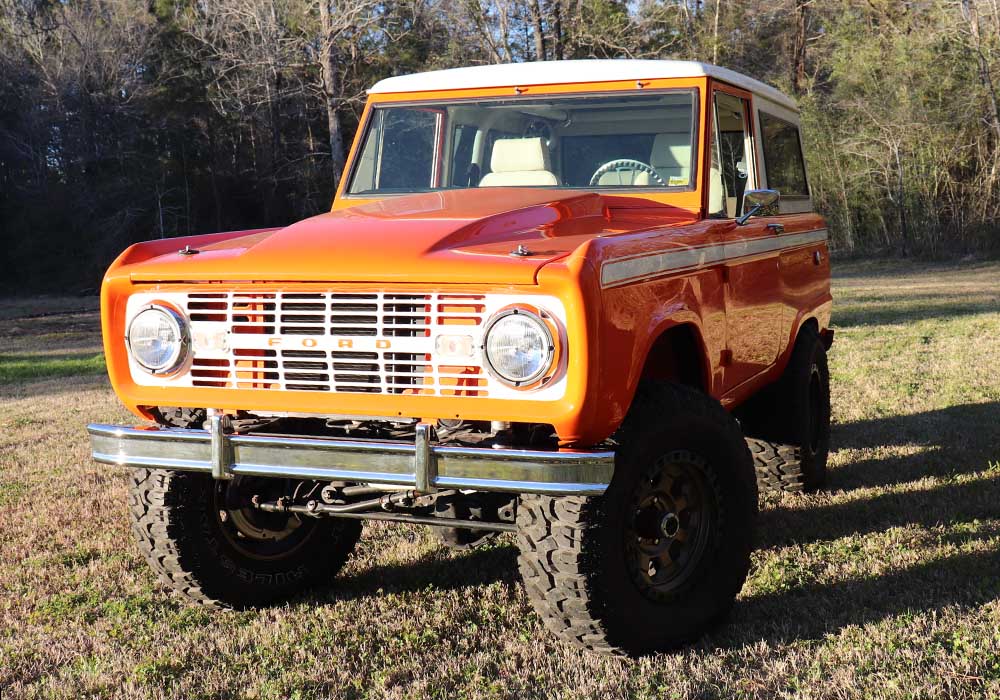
x: 886, y: 585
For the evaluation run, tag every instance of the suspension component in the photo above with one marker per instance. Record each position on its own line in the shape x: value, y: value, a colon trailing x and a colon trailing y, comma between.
x: 381, y: 508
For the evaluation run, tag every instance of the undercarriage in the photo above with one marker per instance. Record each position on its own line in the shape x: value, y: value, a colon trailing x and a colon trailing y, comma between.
x: 481, y: 511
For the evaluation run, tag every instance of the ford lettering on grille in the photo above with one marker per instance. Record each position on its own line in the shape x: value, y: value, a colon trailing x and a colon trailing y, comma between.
x: 353, y: 343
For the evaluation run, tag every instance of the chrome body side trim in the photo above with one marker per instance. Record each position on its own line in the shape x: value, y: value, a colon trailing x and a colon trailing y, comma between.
x: 621, y: 271
x: 423, y: 466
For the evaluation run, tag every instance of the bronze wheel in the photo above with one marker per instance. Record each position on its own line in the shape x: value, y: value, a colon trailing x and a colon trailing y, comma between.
x: 671, y: 521
x: 254, y: 533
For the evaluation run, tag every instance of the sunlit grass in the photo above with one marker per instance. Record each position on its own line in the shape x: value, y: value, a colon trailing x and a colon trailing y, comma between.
x: 17, y: 368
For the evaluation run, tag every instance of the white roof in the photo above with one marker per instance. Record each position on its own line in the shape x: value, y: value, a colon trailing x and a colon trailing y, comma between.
x: 561, y: 72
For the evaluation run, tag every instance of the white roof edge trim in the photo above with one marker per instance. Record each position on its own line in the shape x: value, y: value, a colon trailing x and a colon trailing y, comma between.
x: 576, y: 71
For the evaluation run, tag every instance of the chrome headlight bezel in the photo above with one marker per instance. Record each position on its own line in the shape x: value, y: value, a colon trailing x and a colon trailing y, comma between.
x: 546, y: 368
x: 182, y: 330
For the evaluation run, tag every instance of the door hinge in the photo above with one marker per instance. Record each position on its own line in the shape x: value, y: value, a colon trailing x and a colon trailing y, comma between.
x: 727, y: 358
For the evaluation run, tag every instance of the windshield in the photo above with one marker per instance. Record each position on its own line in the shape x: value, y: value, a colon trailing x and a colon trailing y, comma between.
x: 631, y: 140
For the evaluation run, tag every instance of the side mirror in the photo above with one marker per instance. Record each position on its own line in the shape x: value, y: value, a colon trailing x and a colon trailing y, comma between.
x: 756, y: 200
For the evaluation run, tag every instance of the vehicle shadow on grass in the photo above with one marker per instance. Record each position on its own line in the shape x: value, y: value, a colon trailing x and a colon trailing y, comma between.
x: 957, y: 442
x: 951, y: 442
x: 954, y: 440
x: 880, y: 313
x: 813, y: 610
x: 925, y: 507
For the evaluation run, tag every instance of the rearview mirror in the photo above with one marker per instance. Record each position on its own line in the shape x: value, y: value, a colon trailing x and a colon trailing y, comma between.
x: 755, y: 201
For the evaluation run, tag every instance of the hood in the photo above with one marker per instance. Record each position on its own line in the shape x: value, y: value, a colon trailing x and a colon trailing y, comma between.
x: 455, y: 236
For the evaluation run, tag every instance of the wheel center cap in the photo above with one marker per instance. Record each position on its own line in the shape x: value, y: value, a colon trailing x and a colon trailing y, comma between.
x: 669, y: 525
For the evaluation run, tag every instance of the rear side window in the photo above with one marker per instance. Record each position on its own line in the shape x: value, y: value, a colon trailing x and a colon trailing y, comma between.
x: 786, y: 171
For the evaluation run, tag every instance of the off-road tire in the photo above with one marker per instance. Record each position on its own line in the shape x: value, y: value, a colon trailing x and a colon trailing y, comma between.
x: 778, y: 466
x: 573, y: 556
x: 789, y: 437
x: 178, y: 530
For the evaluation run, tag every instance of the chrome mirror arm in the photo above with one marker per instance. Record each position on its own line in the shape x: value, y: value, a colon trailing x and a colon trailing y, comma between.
x: 759, y: 199
x: 742, y: 220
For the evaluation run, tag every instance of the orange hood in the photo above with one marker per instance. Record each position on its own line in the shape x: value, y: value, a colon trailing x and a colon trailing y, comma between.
x: 456, y: 236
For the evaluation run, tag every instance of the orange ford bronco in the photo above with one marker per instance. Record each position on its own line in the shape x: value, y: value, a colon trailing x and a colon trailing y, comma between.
x: 586, y: 302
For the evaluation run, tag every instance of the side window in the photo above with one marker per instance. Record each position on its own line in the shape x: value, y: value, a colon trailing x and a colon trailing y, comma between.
x: 783, y: 162
x: 730, y: 171
x: 399, y: 153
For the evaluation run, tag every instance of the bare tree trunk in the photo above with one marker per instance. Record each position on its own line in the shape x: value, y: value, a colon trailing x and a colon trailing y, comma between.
x: 331, y: 90
x: 187, y: 187
x: 715, y: 32
x: 272, y: 117
x: 536, y: 21
x: 214, y: 159
x: 901, y: 196
x: 799, y: 46
x: 557, y: 32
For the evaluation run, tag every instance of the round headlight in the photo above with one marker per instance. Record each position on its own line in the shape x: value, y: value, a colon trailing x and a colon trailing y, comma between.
x: 158, y: 339
x: 518, y: 347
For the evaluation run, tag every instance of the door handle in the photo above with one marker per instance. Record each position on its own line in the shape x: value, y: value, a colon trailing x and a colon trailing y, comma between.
x: 776, y: 228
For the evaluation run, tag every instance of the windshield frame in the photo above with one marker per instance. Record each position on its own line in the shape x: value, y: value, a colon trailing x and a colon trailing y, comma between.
x: 374, y: 105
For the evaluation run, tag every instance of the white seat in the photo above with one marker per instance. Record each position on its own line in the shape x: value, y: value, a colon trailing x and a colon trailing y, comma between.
x: 519, y: 162
x: 671, y: 157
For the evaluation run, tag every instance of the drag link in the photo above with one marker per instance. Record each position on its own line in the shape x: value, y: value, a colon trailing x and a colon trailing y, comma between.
x: 369, y: 510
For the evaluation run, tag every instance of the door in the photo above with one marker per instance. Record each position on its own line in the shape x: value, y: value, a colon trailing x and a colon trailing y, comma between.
x: 750, y: 264
x: 805, y: 271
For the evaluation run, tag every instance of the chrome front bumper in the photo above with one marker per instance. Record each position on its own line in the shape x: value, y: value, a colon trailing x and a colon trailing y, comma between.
x: 421, y: 465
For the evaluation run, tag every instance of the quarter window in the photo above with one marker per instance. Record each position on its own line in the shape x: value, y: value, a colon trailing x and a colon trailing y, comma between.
x: 785, y: 169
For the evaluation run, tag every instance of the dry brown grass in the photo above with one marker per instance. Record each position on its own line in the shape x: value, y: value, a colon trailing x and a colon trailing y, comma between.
x: 884, y: 586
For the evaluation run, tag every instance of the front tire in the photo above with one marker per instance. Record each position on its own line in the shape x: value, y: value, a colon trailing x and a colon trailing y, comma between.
x: 660, y: 557
x: 212, y: 551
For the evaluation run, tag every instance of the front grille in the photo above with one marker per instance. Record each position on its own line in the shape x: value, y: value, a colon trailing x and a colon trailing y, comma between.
x: 358, y: 343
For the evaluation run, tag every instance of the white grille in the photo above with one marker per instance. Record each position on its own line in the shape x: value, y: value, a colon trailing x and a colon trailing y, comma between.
x: 352, y: 343
x: 386, y: 343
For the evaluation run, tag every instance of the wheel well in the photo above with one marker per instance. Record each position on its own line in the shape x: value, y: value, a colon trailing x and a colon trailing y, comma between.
x: 677, y: 356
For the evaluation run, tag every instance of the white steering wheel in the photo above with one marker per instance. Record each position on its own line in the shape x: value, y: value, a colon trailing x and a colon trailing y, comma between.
x: 627, y: 164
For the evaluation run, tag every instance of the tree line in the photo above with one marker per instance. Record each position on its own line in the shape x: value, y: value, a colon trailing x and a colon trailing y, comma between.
x: 124, y: 120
